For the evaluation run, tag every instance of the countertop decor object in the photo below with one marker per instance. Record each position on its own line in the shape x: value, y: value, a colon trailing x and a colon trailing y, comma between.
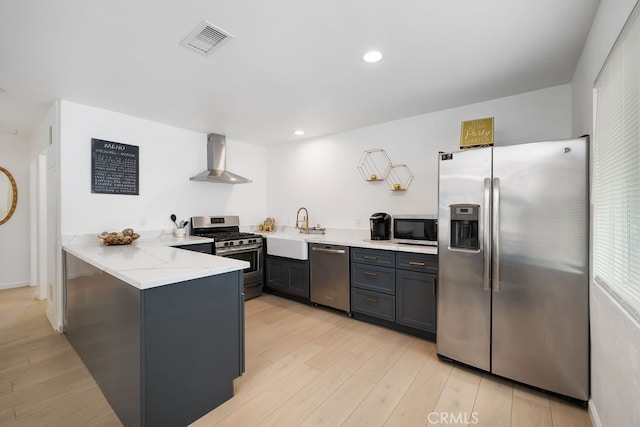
x: 181, y: 228
x: 124, y: 237
x: 268, y: 224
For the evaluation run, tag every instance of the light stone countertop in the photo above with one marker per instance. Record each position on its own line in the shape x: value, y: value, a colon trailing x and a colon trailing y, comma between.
x: 352, y: 238
x: 151, y: 260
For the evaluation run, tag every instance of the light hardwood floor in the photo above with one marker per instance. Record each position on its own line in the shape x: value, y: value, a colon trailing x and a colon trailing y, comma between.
x: 42, y: 379
x: 305, y: 366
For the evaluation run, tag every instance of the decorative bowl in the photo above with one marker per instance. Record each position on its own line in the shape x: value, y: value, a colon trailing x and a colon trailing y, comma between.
x: 124, y: 237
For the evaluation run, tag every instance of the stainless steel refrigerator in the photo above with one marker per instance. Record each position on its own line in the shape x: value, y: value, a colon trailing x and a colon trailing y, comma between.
x: 513, y: 253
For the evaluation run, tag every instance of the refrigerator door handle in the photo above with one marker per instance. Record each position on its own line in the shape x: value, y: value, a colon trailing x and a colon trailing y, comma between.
x: 486, y: 236
x: 495, y: 246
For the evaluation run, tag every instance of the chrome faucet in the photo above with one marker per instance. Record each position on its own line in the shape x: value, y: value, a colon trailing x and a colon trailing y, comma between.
x: 303, y: 224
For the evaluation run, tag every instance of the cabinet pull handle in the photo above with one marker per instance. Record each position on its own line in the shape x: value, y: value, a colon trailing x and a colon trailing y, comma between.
x: 418, y: 263
x: 369, y: 299
x: 369, y: 273
x: 370, y: 257
x: 433, y: 285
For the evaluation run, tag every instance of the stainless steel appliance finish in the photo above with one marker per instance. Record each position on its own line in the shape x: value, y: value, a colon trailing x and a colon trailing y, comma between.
x: 231, y: 243
x: 513, y: 263
x: 217, y: 163
x: 415, y: 229
x: 329, y: 265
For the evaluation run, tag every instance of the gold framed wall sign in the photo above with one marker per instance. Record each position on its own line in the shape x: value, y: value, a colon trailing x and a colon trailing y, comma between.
x: 476, y: 132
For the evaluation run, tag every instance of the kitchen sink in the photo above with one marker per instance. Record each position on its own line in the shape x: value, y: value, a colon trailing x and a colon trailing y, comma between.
x: 288, y: 246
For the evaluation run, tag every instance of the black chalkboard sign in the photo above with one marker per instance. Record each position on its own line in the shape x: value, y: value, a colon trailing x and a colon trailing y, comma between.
x: 115, y: 167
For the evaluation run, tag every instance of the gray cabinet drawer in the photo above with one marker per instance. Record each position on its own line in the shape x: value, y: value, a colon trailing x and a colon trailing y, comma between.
x: 373, y: 304
x: 377, y: 257
x: 417, y: 262
x: 373, y: 278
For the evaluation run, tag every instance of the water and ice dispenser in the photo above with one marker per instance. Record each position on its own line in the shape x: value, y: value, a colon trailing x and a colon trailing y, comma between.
x: 464, y: 227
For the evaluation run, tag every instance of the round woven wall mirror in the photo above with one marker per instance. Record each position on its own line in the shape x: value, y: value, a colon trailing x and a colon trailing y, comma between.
x: 8, y: 195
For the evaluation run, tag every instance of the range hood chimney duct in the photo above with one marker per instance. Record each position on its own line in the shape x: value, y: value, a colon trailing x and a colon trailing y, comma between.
x: 217, y: 163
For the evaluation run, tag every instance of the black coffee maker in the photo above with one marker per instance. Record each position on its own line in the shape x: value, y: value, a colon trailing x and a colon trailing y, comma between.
x: 380, y: 225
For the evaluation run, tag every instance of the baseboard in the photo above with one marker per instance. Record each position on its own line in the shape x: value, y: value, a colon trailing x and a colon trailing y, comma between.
x: 593, y: 414
x: 13, y: 285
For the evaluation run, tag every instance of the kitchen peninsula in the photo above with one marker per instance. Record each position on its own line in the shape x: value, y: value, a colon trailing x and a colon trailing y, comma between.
x: 160, y: 329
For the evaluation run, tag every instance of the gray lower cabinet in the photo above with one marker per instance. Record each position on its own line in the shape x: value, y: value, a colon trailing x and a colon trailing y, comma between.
x: 287, y: 276
x: 163, y: 356
x: 373, y: 283
x: 398, y: 288
x: 205, y: 248
x: 416, y: 285
x: 374, y: 278
x: 373, y: 304
x: 378, y: 257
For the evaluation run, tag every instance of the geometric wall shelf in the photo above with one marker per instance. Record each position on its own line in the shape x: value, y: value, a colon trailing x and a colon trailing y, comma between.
x: 399, y: 178
x: 374, y: 165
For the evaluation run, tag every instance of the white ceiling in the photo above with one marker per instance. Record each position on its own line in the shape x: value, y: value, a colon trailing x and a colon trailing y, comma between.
x: 292, y: 64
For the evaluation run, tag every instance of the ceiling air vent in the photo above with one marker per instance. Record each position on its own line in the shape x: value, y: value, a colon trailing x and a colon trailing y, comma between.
x: 205, y: 38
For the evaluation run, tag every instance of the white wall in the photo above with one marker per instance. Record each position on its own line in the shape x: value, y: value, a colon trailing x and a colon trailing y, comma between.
x: 169, y: 156
x: 615, y: 336
x: 15, y: 234
x: 321, y: 174
x: 45, y: 213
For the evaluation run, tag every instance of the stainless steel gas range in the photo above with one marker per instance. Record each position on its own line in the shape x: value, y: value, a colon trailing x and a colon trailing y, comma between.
x: 231, y: 243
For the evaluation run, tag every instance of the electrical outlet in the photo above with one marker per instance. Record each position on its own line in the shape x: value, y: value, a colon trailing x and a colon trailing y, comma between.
x: 142, y: 222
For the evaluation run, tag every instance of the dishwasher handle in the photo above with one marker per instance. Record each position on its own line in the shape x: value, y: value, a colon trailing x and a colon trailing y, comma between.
x: 328, y: 250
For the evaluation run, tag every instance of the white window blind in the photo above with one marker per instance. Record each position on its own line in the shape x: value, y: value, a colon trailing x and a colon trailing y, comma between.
x: 616, y: 170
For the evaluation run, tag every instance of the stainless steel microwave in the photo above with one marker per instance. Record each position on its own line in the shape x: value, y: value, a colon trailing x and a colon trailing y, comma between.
x: 415, y: 229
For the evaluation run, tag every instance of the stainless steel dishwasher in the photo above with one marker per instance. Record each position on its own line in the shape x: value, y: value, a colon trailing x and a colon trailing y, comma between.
x: 329, y: 266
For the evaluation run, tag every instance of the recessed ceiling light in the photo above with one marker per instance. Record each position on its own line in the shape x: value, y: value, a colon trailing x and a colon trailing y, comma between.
x: 298, y: 132
x: 372, y: 56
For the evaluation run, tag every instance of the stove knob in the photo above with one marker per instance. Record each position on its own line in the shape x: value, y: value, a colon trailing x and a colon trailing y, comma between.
x: 240, y: 242
x: 226, y: 243
x: 230, y: 243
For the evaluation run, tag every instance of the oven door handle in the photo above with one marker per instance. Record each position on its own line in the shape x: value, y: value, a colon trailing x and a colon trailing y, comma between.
x: 227, y: 251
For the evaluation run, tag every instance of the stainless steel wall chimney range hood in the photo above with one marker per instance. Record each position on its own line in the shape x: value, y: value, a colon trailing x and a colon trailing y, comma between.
x: 217, y: 163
